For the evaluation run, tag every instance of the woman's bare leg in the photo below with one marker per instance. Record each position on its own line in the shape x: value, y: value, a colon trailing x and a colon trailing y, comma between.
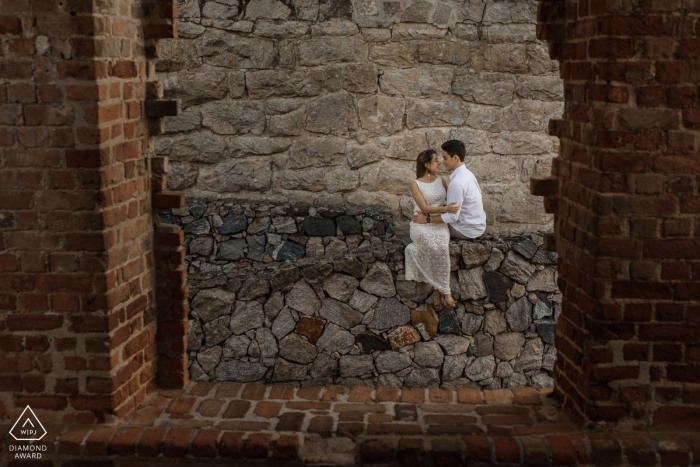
x: 437, y: 300
x: 449, y: 302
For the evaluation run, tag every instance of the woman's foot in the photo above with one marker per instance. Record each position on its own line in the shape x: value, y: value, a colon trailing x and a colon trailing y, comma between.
x: 437, y: 300
x: 449, y: 302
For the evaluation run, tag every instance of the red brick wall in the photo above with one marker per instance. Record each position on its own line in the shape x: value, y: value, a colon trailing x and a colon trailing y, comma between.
x: 77, y: 281
x: 626, y: 226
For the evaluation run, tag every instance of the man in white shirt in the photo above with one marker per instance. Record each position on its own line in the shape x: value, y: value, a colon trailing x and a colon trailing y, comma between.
x: 463, y: 190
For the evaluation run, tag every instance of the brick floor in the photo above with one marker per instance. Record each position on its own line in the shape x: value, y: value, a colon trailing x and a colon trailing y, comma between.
x: 339, y: 426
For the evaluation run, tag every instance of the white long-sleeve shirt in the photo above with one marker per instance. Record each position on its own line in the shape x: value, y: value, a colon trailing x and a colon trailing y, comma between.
x: 464, y: 190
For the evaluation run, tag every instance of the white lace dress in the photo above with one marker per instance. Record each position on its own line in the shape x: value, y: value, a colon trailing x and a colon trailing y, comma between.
x: 428, y: 257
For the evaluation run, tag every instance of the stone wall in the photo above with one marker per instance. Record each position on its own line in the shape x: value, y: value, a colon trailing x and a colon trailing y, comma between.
x: 330, y: 102
x: 291, y: 293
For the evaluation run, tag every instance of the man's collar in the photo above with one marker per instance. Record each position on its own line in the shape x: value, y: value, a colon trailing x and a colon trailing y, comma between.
x: 454, y: 172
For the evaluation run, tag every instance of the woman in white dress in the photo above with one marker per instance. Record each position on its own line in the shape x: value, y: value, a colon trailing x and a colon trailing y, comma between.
x: 428, y: 257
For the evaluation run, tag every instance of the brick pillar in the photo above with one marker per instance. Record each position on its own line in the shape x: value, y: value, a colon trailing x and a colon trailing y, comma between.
x: 77, y: 281
x: 625, y: 194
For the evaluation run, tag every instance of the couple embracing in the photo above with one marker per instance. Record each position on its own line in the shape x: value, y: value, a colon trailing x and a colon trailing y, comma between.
x: 441, y: 211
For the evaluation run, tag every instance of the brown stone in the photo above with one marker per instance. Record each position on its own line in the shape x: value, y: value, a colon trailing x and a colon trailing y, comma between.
x: 310, y: 327
x: 427, y: 318
x: 402, y: 336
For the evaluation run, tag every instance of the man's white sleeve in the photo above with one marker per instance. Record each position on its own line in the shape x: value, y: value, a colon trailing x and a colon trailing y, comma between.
x: 455, y: 194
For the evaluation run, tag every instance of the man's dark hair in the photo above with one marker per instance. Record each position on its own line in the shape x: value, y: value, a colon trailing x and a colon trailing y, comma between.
x: 454, y: 147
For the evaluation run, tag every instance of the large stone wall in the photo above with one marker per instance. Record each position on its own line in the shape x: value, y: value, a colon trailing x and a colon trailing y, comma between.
x: 289, y: 293
x: 330, y: 102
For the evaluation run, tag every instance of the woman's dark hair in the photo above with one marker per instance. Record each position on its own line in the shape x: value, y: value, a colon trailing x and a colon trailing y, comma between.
x: 455, y: 147
x: 423, y: 158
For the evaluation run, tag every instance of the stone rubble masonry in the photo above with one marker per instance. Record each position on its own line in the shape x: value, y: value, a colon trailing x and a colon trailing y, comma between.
x: 331, y: 102
x: 331, y: 425
x: 252, y: 306
x: 626, y: 212
x: 77, y: 279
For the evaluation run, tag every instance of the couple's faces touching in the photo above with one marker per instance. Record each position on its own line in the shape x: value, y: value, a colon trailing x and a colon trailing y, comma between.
x: 451, y: 162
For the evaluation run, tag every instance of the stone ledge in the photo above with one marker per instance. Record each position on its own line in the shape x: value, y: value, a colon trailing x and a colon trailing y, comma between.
x: 255, y: 323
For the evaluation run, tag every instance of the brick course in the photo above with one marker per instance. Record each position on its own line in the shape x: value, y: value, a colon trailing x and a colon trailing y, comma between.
x: 624, y: 209
x: 157, y: 436
x: 76, y: 246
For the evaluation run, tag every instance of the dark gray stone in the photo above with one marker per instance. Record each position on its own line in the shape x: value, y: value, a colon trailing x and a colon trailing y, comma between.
x: 340, y: 314
x: 233, y: 224
x: 336, y: 339
x: 454, y: 366
x: 540, y: 311
x: 494, y: 322
x: 483, y: 345
x: 246, y: 316
x: 449, y: 324
x: 531, y: 356
x: 369, y: 343
x: 351, y: 266
x: 256, y: 247
x: 452, y: 345
x: 508, y: 344
x: 349, y: 225
x: 201, y: 246
x: 543, y: 298
x: 217, y: 331
x: 428, y: 354
x: 545, y: 328
x: 283, y: 324
x: 379, y: 281
x: 303, y: 299
x: 356, y: 365
x: 232, y: 250
x: 471, y: 323
x: 497, y: 285
x: 197, y: 210
x: 253, y: 288
x: 200, y: 227
x: 423, y: 378
x: 236, y: 370
x: 285, y: 371
x: 288, y: 251
x: 391, y: 362
x: 213, y: 303
x: 390, y: 313
x: 481, y: 368
x: 330, y: 212
x: 299, y: 209
x: 317, y: 272
x: 518, y: 315
x: 297, y: 349
x: 236, y: 347
x: 545, y: 257
x: 283, y: 278
x: 526, y: 248
x: 413, y: 291
x: 319, y: 227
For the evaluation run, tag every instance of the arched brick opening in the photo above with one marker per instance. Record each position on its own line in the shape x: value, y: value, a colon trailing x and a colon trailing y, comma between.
x: 624, y: 191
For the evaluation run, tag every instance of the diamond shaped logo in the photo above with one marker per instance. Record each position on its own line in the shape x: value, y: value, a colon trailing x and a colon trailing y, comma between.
x: 28, y: 427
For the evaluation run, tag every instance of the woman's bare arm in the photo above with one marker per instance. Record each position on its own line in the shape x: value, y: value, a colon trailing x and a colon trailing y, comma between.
x: 423, y: 206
